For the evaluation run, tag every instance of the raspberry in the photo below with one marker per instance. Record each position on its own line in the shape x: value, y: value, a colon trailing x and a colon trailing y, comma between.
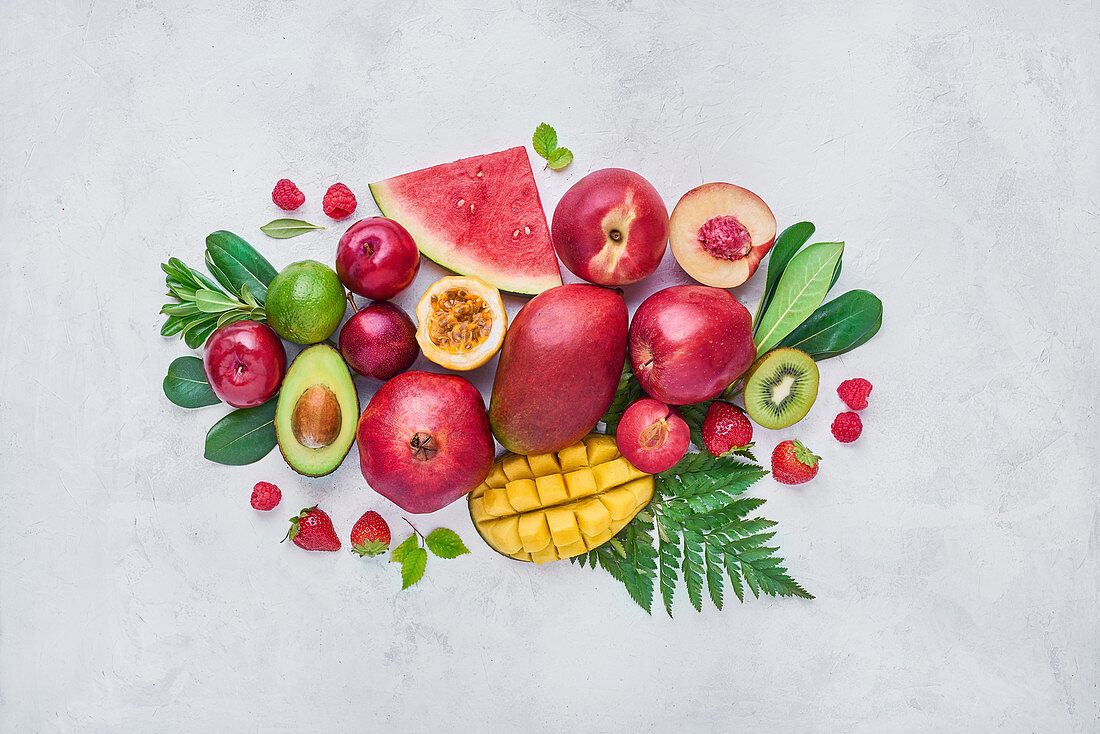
x: 854, y: 393
x: 266, y: 496
x: 847, y: 427
x: 339, y: 202
x: 287, y: 196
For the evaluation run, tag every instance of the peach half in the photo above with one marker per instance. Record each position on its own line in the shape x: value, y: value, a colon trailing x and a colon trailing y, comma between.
x: 720, y: 232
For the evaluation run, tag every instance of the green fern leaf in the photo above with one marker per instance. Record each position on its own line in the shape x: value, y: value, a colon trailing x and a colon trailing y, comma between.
x: 733, y: 570
x: 693, y: 568
x: 714, y: 556
x: 670, y: 557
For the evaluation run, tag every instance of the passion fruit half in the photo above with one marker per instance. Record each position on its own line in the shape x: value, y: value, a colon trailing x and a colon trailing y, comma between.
x: 462, y: 322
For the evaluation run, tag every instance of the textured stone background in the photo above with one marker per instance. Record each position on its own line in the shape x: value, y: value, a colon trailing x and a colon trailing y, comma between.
x: 953, y: 550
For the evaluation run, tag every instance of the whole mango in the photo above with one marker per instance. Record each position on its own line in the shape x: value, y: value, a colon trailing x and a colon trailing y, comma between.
x: 559, y: 368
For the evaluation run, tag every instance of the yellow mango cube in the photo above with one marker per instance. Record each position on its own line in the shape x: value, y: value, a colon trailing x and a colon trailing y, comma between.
x: 522, y: 494
x: 506, y: 534
x: 613, y: 473
x: 593, y: 517
x: 477, y: 509
x: 563, y: 526
x: 620, y: 503
x: 642, y: 489
x: 580, y: 483
x: 533, y: 531
x: 546, y: 555
x: 516, y: 467
x: 573, y: 457
x: 543, y: 464
x: 601, y: 449
x: 551, y: 489
x: 496, y: 502
x: 599, y: 539
x: 496, y: 477
x: 574, y: 549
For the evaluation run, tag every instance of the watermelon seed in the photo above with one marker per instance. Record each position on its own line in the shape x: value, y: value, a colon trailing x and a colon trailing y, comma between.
x: 527, y: 230
x: 461, y: 202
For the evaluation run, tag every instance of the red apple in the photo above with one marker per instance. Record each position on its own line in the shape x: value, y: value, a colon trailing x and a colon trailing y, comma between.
x: 611, y: 227
x: 379, y: 341
x: 690, y: 342
x: 377, y: 258
x: 424, y: 440
x: 720, y: 232
x: 244, y: 363
x: 652, y: 436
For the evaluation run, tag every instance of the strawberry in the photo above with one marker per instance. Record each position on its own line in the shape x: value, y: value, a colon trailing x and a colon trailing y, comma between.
x: 312, y: 529
x: 793, y: 463
x: 371, y: 535
x: 725, y: 428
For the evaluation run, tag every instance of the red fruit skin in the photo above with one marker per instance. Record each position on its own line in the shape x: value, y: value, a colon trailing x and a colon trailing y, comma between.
x: 690, y: 342
x: 559, y: 368
x: 244, y: 362
x: 287, y: 196
x: 266, y: 496
x: 316, y: 532
x: 424, y: 440
x: 371, y: 526
x: 338, y: 202
x: 787, y: 469
x: 604, y: 205
x: 854, y: 392
x: 847, y: 427
x: 377, y: 258
x: 652, y: 436
x: 725, y: 428
x: 379, y: 341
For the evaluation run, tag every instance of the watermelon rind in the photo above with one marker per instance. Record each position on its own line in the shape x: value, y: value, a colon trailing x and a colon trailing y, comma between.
x: 457, y: 258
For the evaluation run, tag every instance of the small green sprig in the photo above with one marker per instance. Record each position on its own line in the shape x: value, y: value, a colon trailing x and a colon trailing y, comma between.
x: 545, y: 142
x: 443, y: 543
x: 201, y: 305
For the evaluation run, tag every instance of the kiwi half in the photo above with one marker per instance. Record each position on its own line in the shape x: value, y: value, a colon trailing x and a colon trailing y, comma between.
x: 780, y: 388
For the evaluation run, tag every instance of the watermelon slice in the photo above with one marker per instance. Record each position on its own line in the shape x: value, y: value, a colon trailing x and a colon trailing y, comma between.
x: 478, y: 216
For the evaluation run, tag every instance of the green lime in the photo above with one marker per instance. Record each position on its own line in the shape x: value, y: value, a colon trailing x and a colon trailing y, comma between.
x: 305, y: 302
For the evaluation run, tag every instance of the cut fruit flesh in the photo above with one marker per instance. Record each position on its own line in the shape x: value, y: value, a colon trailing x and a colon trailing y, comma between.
x: 478, y: 216
x: 780, y: 388
x: 462, y: 322
x: 528, y: 509
x: 720, y: 232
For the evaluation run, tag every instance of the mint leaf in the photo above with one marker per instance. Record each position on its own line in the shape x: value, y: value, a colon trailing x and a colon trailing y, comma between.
x: 412, y: 566
x: 545, y: 140
x: 445, y: 543
x: 400, y: 552
x: 559, y: 158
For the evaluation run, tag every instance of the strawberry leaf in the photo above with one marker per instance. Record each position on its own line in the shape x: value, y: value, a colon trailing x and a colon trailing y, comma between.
x: 402, y: 551
x: 445, y: 543
x: 412, y: 567
x: 371, y: 548
x: 545, y: 140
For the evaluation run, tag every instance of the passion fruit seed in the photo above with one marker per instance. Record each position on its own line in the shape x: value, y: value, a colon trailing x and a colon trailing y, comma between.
x: 316, y: 419
x: 459, y: 320
x: 725, y: 238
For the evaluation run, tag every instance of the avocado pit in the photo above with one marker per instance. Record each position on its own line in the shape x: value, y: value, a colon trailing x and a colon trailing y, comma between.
x: 316, y: 419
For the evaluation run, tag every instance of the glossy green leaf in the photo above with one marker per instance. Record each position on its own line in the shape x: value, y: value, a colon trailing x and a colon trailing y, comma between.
x: 244, y: 436
x: 186, y: 385
x: 786, y: 245
x: 283, y: 229
x: 801, y: 289
x: 194, y: 333
x: 240, y: 262
x: 208, y: 301
x: 839, y: 326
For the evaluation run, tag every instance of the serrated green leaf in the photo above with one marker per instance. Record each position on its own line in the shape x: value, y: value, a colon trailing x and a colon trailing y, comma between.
x: 283, y: 229
x: 733, y: 570
x: 445, y: 543
x: 412, y: 567
x: 801, y: 290
x: 669, y: 553
x: 693, y: 568
x: 398, y: 554
x: 714, y: 559
x: 785, y: 247
x: 186, y: 384
x: 545, y: 140
x: 559, y: 159
x: 244, y: 436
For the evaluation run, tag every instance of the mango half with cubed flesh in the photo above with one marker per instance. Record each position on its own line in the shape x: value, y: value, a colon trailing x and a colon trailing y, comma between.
x: 547, y: 507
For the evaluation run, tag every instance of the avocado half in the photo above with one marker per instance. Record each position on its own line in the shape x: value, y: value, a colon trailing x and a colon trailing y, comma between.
x: 317, y: 365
